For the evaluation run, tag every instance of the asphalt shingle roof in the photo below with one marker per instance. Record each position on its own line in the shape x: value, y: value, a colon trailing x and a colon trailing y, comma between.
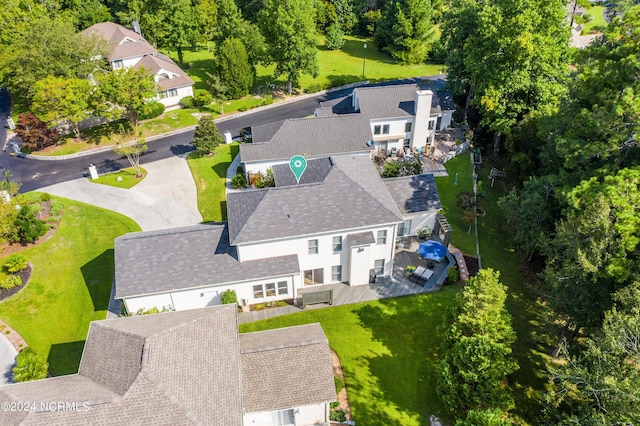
x: 351, y: 196
x: 361, y: 238
x: 414, y: 194
x: 268, y: 360
x: 316, y: 171
x: 311, y: 137
x: 114, y: 34
x: 157, y: 62
x: 190, y: 257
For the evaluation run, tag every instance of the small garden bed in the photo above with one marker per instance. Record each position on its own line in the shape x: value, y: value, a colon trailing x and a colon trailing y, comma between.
x: 272, y: 304
x: 125, y: 178
x: 24, y: 275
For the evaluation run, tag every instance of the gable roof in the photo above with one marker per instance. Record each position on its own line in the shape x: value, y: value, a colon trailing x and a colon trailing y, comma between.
x: 122, y: 42
x: 189, y: 257
x: 311, y: 137
x: 394, y: 100
x: 316, y: 171
x: 268, y: 360
x: 157, y: 62
x: 351, y: 196
x: 187, y: 371
x: 414, y: 194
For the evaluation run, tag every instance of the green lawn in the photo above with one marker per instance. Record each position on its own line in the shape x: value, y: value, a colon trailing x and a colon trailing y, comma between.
x: 210, y: 174
x: 388, y: 349
x: 70, y: 285
x: 598, y: 19
x: 128, y: 176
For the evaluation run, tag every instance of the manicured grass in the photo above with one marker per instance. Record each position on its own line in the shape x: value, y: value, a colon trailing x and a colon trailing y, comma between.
x: 388, y: 349
x: 447, y: 189
x: 210, y: 174
x: 598, y: 19
x: 70, y: 285
x: 128, y: 176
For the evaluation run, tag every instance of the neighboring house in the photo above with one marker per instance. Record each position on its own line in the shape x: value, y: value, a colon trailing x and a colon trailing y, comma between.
x: 339, y: 224
x: 400, y: 117
x: 129, y: 49
x: 185, y: 368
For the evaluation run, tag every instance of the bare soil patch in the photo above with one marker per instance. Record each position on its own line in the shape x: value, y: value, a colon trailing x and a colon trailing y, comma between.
x: 343, y: 398
x: 472, y: 265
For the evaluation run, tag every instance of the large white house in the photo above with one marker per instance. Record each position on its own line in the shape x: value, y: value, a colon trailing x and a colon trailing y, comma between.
x: 184, y: 368
x: 395, y: 117
x: 128, y: 48
x: 339, y: 224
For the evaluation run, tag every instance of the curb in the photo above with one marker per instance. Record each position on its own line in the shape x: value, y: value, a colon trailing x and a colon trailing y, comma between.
x: 192, y: 128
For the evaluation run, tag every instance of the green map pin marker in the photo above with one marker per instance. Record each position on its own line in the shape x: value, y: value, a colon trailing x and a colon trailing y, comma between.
x: 298, y: 165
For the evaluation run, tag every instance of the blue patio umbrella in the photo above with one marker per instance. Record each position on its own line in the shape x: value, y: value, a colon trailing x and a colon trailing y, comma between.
x: 432, y: 250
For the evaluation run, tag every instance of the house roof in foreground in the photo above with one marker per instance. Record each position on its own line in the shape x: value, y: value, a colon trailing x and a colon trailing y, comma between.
x: 166, y: 369
x: 122, y: 42
x: 414, y: 194
x: 156, y: 62
x: 268, y: 360
x: 351, y: 195
x: 189, y: 257
x: 311, y: 137
x: 394, y: 100
x: 181, y: 368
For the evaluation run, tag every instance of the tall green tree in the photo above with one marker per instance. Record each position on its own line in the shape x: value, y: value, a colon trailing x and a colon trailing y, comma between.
x: 289, y: 29
x: 233, y: 67
x: 207, y: 136
x: 61, y: 100
x: 406, y: 30
x: 477, y: 348
x: 123, y: 93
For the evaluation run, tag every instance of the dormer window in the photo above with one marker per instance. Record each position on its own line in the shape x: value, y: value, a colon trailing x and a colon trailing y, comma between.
x: 117, y: 65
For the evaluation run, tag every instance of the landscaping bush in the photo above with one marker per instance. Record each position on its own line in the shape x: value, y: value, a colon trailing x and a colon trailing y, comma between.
x: 338, y: 416
x: 44, y: 197
x: 56, y: 208
x: 150, y: 311
x: 151, y: 110
x: 207, y: 136
x: 266, y: 180
x: 201, y: 97
x: 339, y: 384
x: 228, y: 297
x: 268, y: 100
x: 424, y: 233
x: 29, y: 366
x: 453, y: 276
x: 15, y: 263
x: 238, y: 181
x: 314, y: 88
x: 335, y: 37
x: 587, y: 17
x: 34, y: 133
x: 187, y: 102
x: 27, y: 229
x: 10, y: 282
x: 402, y: 168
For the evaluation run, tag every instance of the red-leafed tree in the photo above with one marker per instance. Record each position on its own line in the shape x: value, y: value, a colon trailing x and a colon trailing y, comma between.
x: 35, y: 133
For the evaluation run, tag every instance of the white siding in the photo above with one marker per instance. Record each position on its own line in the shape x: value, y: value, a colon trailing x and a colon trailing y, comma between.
x: 446, y: 119
x: 129, y: 62
x: 262, y: 166
x: 147, y: 302
x: 396, y: 127
x: 420, y: 220
x: 174, y: 100
x: 307, y: 415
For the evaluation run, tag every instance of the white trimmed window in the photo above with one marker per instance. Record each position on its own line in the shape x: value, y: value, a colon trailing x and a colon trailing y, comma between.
x: 258, y: 292
x: 432, y: 124
x: 336, y: 273
x: 407, y: 126
x: 337, y: 243
x: 117, y: 64
x: 404, y: 228
x: 379, y: 267
x: 382, y: 237
x: 377, y: 129
x: 385, y: 129
x: 270, y: 289
x: 283, y: 288
x: 170, y: 93
x: 313, y: 246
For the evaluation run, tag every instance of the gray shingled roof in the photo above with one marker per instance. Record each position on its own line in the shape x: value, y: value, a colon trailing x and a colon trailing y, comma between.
x: 268, y: 360
x: 157, y: 62
x: 316, y: 171
x: 414, y: 194
x: 190, y: 257
x: 188, y: 372
x: 311, y: 137
x: 114, y: 34
x: 446, y: 100
x: 361, y: 238
x: 265, y: 132
x: 394, y: 100
x: 351, y: 196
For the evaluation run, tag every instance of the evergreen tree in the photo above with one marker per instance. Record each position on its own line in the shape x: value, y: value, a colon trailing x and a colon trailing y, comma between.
x: 207, y: 136
x: 234, y: 70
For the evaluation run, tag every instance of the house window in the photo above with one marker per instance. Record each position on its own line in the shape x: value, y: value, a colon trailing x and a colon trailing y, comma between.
x: 336, y: 273
x: 376, y: 129
x: 313, y: 246
x: 258, y: 292
x: 282, y: 418
x: 382, y: 237
x: 117, y: 65
x: 379, y: 267
x: 407, y: 127
x: 432, y: 124
x: 314, y: 276
x: 385, y: 129
x: 283, y: 288
x: 337, y: 243
x: 271, y: 289
x: 404, y: 228
x: 168, y: 93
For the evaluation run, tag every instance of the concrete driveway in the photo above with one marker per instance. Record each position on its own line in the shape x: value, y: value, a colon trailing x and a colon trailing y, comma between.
x: 166, y: 198
x: 7, y: 360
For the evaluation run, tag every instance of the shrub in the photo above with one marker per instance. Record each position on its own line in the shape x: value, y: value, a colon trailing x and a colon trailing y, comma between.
x: 15, y: 263
x: 149, y: 311
x: 314, y: 88
x: 207, y: 136
x: 45, y: 196
x: 228, y: 297
x: 587, y: 17
x: 424, y: 233
x: 452, y: 275
x: 238, y: 181
x: 11, y: 281
x: 201, y: 97
x: 151, y: 110
x: 335, y: 37
x: 34, y: 133
x: 29, y: 366
x: 334, y: 404
x: 339, y: 383
x: 56, y: 209
x: 338, y: 416
x: 268, y: 100
x: 266, y: 180
x: 187, y: 102
x: 243, y: 109
x: 27, y: 229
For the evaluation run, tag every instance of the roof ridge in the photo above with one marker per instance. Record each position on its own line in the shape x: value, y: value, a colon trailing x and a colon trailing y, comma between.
x: 172, y: 231
x: 267, y: 348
